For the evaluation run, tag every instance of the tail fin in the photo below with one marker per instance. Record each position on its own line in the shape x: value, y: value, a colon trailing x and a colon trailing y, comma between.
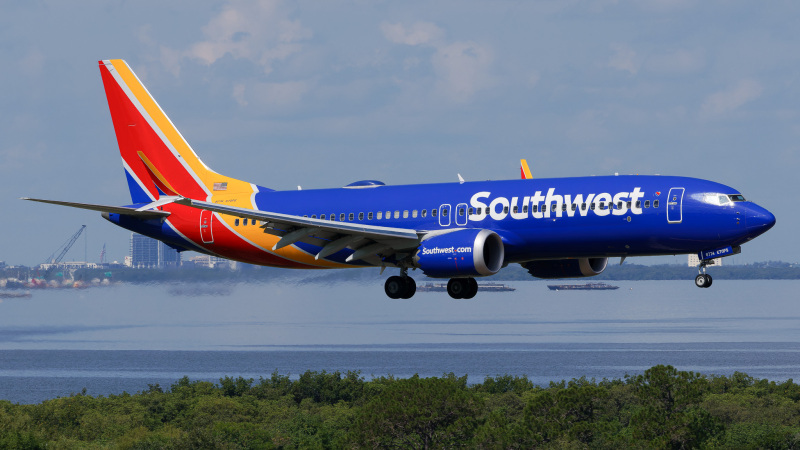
x: 157, y: 159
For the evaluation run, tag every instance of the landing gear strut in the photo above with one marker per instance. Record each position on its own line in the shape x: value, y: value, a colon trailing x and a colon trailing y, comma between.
x: 462, y: 287
x: 402, y: 286
x: 703, y: 280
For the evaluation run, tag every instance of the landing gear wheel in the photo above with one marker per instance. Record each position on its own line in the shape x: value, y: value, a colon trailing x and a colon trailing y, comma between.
x: 395, y: 287
x: 457, y: 287
x: 703, y: 280
x: 410, y: 288
x: 472, y: 288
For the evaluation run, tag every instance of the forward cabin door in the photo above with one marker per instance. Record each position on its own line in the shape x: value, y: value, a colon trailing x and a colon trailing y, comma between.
x: 675, y: 205
x: 206, y: 220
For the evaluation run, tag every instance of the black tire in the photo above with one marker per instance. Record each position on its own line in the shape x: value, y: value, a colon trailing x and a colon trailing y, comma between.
x: 457, y: 287
x: 701, y: 281
x: 394, y: 287
x: 710, y: 280
x: 411, y: 288
x: 472, y: 288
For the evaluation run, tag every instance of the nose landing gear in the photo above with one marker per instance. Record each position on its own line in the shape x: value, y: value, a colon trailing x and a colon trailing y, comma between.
x: 703, y: 280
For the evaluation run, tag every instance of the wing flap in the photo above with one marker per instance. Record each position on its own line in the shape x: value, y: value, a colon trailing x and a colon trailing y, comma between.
x: 366, y: 240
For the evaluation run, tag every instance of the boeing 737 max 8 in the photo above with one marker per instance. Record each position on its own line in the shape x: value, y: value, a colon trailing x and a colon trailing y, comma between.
x: 555, y: 228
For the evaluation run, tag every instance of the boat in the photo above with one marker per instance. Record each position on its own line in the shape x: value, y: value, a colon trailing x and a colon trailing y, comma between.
x: 485, y: 287
x: 582, y: 287
x: 25, y: 294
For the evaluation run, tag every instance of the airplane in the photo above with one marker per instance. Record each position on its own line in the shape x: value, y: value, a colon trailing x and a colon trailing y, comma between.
x: 553, y: 227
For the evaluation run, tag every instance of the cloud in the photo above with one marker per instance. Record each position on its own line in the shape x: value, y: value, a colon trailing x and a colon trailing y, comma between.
x: 624, y: 58
x: 728, y: 100
x: 258, y: 31
x: 417, y: 34
x: 462, y: 67
x: 677, y: 62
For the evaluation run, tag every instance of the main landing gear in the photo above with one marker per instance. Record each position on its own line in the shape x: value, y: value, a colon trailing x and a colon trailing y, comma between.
x: 462, y: 287
x: 703, y: 280
x: 400, y: 287
x: 404, y: 286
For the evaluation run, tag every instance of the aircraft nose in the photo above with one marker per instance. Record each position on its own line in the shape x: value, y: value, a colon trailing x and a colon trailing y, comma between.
x: 759, y: 219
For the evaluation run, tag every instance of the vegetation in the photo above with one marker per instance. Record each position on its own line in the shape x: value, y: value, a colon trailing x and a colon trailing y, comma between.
x: 661, y: 408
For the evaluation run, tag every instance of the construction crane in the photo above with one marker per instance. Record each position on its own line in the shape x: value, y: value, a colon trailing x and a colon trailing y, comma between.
x: 65, y: 247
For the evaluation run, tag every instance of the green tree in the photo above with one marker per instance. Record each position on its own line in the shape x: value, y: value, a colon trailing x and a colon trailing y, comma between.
x: 418, y: 413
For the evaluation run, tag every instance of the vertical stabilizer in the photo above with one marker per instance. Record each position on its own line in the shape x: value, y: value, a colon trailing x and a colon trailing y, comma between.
x: 157, y: 159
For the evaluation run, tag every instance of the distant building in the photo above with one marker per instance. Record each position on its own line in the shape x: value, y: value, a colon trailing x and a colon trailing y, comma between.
x: 212, y: 262
x: 147, y: 252
x: 694, y: 261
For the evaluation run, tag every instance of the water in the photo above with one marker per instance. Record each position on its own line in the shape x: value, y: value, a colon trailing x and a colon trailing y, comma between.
x: 122, y: 338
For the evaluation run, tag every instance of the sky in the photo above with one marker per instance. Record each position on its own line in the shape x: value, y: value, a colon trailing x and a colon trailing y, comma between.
x: 321, y: 94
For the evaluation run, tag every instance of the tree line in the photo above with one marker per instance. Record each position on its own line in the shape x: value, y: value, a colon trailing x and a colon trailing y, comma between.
x: 661, y: 408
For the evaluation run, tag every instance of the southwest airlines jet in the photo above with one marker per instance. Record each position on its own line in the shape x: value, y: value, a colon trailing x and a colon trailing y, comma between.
x: 554, y: 228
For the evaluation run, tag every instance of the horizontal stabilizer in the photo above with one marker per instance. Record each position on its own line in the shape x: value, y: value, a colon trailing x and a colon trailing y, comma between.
x: 148, y: 214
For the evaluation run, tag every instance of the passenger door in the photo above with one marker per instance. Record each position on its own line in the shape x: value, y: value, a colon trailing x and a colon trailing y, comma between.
x: 675, y: 205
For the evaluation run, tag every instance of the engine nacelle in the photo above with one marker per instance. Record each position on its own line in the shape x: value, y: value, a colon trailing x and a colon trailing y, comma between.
x: 566, y: 268
x: 462, y: 253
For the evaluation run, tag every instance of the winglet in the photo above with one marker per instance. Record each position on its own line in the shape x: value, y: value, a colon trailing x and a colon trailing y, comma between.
x: 525, y: 172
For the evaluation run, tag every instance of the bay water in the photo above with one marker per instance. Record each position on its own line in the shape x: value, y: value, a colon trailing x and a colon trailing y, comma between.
x: 122, y: 338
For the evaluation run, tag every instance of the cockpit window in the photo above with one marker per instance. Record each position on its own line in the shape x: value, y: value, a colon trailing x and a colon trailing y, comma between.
x: 722, y: 199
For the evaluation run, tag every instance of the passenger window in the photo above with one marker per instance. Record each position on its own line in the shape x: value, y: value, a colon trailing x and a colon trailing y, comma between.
x: 388, y: 215
x: 313, y: 216
x: 535, y: 208
x: 638, y: 203
x: 341, y: 217
x: 305, y: 215
x: 360, y: 216
x: 380, y: 215
x: 369, y: 215
x: 583, y: 206
x: 524, y: 209
x: 619, y: 205
x: 333, y: 216
x: 414, y: 213
x: 322, y: 216
x: 563, y: 207
x: 602, y: 205
x: 444, y: 213
x: 244, y: 222
x: 544, y: 208
x: 433, y: 213
x: 655, y: 203
x: 424, y: 212
x: 236, y: 223
x: 574, y: 206
x: 350, y: 217
x: 592, y: 206
x: 405, y: 214
x: 647, y: 203
x: 461, y: 212
x: 469, y: 211
x: 516, y: 210
x: 505, y: 210
x: 628, y: 205
x: 397, y: 214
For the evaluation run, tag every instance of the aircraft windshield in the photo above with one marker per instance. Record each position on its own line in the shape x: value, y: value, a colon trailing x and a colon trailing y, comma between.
x: 737, y: 198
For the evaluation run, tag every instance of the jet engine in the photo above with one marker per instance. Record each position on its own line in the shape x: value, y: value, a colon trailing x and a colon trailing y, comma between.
x: 566, y: 268
x: 461, y: 253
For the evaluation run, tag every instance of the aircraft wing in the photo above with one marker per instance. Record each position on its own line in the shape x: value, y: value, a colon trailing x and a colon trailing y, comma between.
x: 367, y: 241
x: 128, y: 211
